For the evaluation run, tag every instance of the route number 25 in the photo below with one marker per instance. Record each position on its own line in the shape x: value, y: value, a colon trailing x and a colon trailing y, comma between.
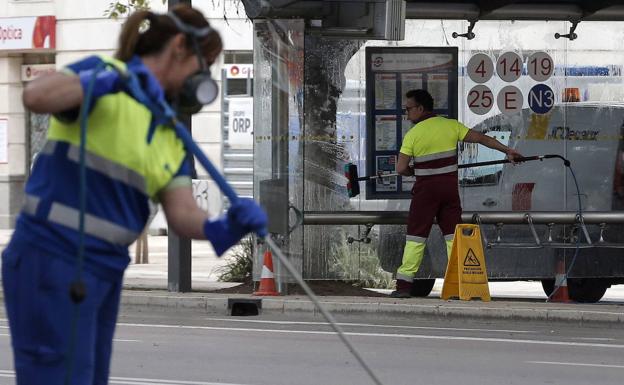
x: 480, y: 99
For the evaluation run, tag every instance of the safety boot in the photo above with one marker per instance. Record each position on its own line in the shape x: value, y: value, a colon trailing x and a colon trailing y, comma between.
x: 403, y: 289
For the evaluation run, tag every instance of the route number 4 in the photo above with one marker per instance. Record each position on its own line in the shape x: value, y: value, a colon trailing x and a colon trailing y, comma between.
x: 480, y: 68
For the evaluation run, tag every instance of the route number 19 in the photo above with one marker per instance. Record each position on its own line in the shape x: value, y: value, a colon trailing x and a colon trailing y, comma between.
x: 540, y: 66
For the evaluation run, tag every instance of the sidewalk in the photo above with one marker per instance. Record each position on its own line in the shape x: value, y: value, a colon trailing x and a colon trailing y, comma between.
x: 145, y: 285
x: 153, y: 275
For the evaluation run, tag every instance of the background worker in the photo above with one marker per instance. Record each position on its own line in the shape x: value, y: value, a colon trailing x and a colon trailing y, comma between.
x: 432, y: 145
x: 132, y: 156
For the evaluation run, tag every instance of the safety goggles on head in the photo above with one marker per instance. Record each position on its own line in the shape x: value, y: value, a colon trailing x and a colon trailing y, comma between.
x: 200, y: 88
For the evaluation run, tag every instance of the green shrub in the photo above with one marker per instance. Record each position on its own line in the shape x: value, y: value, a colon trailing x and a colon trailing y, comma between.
x: 239, y: 265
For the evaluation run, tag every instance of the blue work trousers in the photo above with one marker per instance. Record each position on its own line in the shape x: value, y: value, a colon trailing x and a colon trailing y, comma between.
x: 42, y: 318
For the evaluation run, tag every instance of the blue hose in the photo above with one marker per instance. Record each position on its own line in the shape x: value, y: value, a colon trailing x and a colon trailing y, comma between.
x: 78, y: 291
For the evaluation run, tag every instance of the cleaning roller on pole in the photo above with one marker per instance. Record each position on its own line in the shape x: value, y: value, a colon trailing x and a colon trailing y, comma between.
x: 353, y: 186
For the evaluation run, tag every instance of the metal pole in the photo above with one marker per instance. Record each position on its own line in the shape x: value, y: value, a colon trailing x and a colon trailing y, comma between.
x: 491, y: 217
x: 179, y: 248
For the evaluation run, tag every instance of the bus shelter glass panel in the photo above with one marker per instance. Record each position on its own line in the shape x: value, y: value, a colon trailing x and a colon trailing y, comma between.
x: 591, y: 128
x: 278, y: 136
x: 512, y: 75
x: 332, y: 123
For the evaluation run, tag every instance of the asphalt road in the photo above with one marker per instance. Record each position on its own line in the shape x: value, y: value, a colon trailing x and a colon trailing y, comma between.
x: 176, y: 348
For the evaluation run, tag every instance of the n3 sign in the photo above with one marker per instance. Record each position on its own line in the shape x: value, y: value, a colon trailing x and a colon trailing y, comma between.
x: 541, y: 99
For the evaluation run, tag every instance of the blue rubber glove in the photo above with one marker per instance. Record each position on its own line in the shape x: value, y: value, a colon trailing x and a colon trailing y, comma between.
x: 106, y: 82
x: 244, y: 217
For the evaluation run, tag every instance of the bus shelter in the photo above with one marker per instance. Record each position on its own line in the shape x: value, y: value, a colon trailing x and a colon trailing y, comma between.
x: 544, y: 77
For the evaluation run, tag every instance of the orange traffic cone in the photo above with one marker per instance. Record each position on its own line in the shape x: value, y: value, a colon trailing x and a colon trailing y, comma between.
x: 267, y: 282
x: 560, y: 293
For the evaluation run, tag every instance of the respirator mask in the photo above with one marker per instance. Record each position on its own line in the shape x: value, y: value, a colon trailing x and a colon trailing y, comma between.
x: 200, y: 88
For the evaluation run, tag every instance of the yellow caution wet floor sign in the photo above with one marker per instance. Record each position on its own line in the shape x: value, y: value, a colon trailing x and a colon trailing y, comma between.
x: 466, y: 276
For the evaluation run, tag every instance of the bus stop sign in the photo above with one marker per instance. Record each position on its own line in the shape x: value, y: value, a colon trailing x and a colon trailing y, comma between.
x: 541, y: 99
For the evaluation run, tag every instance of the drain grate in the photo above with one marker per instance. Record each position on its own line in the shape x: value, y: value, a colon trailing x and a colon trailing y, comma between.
x: 244, y: 307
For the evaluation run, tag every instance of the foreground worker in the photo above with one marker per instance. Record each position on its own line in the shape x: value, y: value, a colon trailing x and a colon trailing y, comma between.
x: 432, y: 146
x: 132, y: 156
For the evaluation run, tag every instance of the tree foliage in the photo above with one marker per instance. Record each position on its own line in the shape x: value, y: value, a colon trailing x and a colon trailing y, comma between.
x: 118, y: 9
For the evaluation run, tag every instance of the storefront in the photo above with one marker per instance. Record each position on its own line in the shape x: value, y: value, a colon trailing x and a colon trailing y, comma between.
x: 27, y: 47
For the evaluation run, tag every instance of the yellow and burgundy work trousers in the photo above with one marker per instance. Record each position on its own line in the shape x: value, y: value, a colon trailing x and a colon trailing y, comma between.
x: 432, y: 197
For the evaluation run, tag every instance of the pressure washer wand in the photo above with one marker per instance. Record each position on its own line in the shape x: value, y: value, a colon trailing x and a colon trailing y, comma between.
x: 469, y: 165
x: 517, y: 160
x: 353, y: 187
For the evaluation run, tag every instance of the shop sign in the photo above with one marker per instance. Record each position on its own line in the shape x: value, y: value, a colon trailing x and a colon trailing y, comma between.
x: 239, y: 71
x: 32, y: 71
x: 240, y: 133
x: 28, y: 33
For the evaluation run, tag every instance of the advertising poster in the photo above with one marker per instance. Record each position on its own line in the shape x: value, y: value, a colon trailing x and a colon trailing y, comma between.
x: 386, y: 165
x: 390, y: 73
x: 385, y: 133
x: 406, y: 125
x: 410, y: 81
x: 437, y: 85
x: 385, y: 91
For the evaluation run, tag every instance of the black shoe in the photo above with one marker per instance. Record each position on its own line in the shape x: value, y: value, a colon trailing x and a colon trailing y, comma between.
x: 400, y: 294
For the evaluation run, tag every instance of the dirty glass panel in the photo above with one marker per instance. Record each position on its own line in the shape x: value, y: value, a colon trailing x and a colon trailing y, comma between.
x: 512, y: 73
x: 329, y: 136
x: 278, y: 151
x: 591, y: 129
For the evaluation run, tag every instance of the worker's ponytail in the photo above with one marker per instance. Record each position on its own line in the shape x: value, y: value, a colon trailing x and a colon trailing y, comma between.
x: 146, y: 33
x: 130, y: 35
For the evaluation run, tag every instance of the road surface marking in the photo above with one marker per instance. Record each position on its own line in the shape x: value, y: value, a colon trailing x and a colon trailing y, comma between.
x: 404, y: 336
x: 115, y: 340
x: 139, y: 380
x: 368, y: 325
x: 575, y: 364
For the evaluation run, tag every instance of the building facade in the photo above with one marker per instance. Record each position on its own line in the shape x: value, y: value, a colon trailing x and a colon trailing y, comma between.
x: 37, y: 36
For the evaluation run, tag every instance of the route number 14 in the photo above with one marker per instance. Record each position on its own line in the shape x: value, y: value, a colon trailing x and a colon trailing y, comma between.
x: 509, y: 66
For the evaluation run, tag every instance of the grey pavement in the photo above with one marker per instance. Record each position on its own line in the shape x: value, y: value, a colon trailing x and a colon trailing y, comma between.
x: 145, y: 285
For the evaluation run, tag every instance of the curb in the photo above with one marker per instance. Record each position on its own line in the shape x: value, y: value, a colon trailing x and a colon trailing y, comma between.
x: 435, y: 309
x: 218, y: 304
